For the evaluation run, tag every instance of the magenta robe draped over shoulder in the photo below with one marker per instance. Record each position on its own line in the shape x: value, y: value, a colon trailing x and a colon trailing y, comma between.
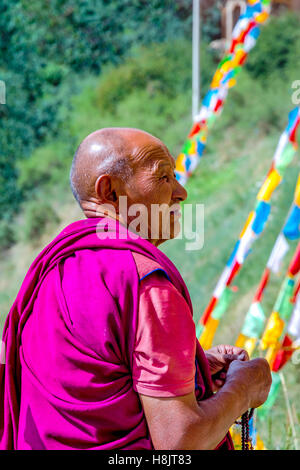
x: 66, y: 381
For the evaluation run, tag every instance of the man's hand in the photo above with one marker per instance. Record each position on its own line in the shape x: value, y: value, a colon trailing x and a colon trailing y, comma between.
x: 183, y: 423
x: 220, y: 358
x: 253, y: 379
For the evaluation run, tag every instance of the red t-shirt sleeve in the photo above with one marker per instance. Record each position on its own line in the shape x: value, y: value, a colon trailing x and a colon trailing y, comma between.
x: 165, y: 346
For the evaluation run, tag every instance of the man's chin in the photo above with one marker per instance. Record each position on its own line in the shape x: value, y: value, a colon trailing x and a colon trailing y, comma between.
x: 175, y: 228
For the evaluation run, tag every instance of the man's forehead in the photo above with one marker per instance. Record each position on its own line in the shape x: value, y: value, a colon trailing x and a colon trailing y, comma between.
x: 160, y: 156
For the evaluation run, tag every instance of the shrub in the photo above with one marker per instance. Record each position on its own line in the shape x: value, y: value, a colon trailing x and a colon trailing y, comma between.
x: 277, y: 42
x: 42, y: 165
x: 7, y: 235
x: 162, y: 69
x: 38, y: 216
x: 44, y: 44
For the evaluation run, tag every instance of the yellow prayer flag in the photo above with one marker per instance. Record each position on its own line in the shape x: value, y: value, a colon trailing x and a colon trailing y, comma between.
x: 208, y: 333
x: 297, y: 192
x: 180, y: 163
x: 248, y: 222
x: 262, y: 17
x: 270, y: 184
x: 272, y: 331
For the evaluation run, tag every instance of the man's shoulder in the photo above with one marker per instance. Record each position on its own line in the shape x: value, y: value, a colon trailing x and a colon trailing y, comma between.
x: 145, y: 265
x: 111, y: 264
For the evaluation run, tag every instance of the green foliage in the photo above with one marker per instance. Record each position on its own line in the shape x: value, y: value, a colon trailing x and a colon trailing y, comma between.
x: 211, y: 23
x: 271, y: 68
x: 162, y: 70
x: 7, y: 235
x: 46, y: 163
x: 278, y: 45
x: 269, y: 106
x: 148, y: 89
x: 150, y: 95
x: 38, y: 216
x: 42, y: 45
x: 86, y: 34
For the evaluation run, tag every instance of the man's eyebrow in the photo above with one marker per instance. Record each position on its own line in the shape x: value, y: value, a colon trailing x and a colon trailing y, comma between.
x: 170, y: 163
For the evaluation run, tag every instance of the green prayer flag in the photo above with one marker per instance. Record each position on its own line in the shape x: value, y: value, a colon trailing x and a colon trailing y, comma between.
x: 186, y: 146
x: 222, y: 304
x: 286, y: 158
x: 283, y: 305
x: 225, y: 59
x: 254, y: 321
x: 264, y: 409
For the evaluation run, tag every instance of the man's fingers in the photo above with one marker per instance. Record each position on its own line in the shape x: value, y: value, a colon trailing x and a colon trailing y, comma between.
x: 233, y: 350
x: 231, y: 357
x: 243, y: 356
x: 241, y: 353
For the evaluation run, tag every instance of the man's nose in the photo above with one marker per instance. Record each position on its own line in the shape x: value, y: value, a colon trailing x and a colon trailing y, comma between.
x: 179, y: 192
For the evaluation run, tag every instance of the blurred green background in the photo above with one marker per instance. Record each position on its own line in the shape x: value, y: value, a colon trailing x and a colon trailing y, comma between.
x: 73, y: 67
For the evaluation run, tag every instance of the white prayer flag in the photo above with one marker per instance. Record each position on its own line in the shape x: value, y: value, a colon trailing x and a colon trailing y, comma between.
x: 294, y: 324
x: 220, y: 287
x: 279, y: 251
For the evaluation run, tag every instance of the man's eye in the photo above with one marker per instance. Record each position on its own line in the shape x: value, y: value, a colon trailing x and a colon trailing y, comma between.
x: 165, y: 177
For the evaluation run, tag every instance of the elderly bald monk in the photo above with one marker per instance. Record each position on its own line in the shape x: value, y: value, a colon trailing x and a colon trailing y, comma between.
x: 100, y: 343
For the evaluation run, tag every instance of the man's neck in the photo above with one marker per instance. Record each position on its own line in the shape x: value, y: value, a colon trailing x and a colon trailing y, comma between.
x: 93, y: 210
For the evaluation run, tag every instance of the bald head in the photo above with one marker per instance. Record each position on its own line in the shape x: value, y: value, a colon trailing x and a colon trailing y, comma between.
x: 110, y: 151
x: 114, y: 163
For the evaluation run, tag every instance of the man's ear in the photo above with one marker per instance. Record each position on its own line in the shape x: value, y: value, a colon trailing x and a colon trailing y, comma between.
x: 105, y: 190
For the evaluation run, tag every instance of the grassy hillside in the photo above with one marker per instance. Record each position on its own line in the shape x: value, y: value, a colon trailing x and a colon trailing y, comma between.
x: 151, y: 90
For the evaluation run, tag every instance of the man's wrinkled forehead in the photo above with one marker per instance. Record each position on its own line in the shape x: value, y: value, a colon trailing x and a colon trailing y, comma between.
x: 154, y: 156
